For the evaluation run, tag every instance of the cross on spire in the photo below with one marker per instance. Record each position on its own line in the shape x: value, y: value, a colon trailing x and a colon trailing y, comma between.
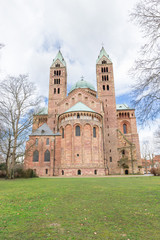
x: 82, y: 78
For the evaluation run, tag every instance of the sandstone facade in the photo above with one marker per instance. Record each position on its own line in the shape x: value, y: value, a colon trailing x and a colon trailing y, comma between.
x: 84, y: 133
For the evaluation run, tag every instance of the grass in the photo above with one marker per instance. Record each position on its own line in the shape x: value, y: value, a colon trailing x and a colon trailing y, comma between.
x: 80, y: 208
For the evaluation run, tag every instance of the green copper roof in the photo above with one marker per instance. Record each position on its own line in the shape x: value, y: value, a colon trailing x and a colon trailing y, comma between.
x: 79, y: 107
x: 43, y: 111
x: 103, y: 53
x: 122, y: 107
x: 82, y: 84
x: 59, y: 56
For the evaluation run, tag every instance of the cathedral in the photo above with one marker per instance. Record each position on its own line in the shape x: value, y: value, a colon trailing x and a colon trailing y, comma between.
x: 85, y: 132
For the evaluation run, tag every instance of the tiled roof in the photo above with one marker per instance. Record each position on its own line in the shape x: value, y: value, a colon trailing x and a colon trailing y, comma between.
x: 79, y: 107
x: 122, y: 107
x: 82, y: 84
x: 103, y: 53
x: 60, y: 57
x: 44, y: 130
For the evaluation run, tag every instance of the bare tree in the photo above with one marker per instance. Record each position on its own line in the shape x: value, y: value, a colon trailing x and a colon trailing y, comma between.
x: 157, y: 139
x: 18, y: 103
x: 146, y: 71
x: 147, y: 154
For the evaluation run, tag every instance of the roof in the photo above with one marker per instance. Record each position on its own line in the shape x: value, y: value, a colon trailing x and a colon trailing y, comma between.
x: 59, y: 56
x: 82, y: 84
x: 103, y: 53
x: 79, y: 107
x: 123, y: 107
x: 44, y: 130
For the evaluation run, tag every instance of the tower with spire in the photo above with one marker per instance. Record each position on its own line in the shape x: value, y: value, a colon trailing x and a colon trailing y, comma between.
x: 106, y: 93
x: 57, y: 88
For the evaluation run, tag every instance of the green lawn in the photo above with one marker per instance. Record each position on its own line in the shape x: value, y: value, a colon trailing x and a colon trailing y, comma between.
x: 80, y: 208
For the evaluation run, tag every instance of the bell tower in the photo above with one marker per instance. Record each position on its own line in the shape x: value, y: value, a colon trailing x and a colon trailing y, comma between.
x: 57, y: 89
x: 106, y: 93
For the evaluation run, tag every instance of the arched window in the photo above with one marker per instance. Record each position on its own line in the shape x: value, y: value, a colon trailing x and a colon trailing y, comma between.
x: 47, y: 141
x: 94, y: 132
x: 36, y: 141
x: 103, y: 87
x: 62, y: 132
x: 101, y: 69
x: 106, y: 69
x: 110, y: 159
x: 62, y: 172
x: 78, y: 116
x: 78, y: 131
x: 35, y: 156
x: 58, y: 90
x: 47, y: 156
x: 79, y: 172
x: 107, y: 78
x: 54, y: 90
x: 107, y: 87
x: 57, y: 65
x: 95, y: 172
x: 123, y: 152
x: 124, y: 128
x: 104, y: 62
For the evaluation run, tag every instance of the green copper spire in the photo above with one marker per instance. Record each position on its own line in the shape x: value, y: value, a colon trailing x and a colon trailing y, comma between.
x: 59, y: 56
x: 103, y: 53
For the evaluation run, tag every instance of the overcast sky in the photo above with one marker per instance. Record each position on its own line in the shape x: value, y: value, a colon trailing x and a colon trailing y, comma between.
x: 34, y: 30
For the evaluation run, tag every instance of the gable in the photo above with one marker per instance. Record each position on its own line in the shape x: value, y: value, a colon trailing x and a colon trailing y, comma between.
x: 80, y: 95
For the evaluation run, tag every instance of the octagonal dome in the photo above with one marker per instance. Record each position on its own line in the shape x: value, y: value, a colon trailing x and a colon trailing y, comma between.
x: 82, y: 84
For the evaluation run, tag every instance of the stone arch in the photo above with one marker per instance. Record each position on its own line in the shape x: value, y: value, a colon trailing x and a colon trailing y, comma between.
x: 125, y: 127
x: 47, y: 156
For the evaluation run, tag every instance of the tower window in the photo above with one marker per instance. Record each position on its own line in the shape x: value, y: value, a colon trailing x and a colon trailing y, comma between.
x: 123, y: 152
x: 104, y: 62
x: 47, y: 141
x: 62, y: 172
x: 57, y: 65
x: 101, y: 69
x: 62, y: 132
x: 103, y: 87
x: 124, y: 128
x: 79, y: 172
x: 46, y: 171
x: 95, y: 172
x: 110, y: 159
x: 58, y: 90
x: 94, y: 132
x: 107, y: 78
x: 36, y: 156
x: 78, y: 131
x: 36, y: 141
x: 106, y: 69
x: 47, y: 156
x: 107, y: 87
x: 54, y: 90
x: 78, y: 116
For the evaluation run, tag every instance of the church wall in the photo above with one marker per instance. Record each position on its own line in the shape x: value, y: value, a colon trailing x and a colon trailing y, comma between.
x: 41, y: 167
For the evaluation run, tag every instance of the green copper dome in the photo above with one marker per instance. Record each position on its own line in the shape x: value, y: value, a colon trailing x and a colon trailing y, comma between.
x: 82, y: 84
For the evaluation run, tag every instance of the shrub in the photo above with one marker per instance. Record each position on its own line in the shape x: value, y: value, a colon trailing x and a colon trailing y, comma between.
x: 155, y: 171
x: 2, y: 166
